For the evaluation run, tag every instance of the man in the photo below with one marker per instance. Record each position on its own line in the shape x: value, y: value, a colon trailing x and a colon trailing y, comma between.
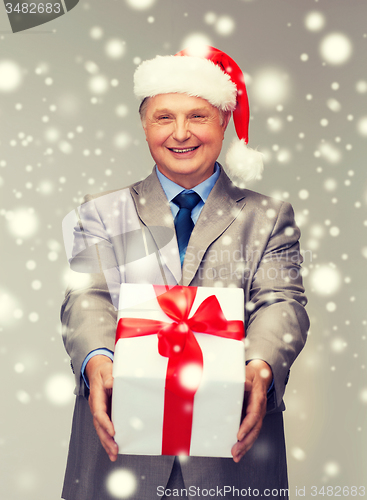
x: 142, y: 234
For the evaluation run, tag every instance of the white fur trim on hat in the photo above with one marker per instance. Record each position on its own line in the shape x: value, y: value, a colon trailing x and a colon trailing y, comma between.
x: 243, y: 163
x: 190, y: 75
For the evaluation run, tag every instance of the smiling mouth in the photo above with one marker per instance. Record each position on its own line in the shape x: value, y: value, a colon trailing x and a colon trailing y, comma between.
x: 187, y: 150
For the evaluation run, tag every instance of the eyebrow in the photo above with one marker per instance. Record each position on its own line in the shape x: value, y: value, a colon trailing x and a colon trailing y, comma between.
x: 168, y: 111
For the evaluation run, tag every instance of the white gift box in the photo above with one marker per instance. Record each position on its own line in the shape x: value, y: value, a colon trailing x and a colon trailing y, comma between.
x: 140, y: 375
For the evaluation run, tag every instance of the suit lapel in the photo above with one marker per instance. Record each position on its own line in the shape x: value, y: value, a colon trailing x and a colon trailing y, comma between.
x: 222, y: 207
x: 154, y: 211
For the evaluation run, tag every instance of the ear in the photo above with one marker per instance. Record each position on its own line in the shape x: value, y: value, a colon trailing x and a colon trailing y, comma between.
x: 143, y: 124
x: 226, y: 118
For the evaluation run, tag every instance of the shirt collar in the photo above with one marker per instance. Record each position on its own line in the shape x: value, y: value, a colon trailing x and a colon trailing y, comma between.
x: 203, y: 189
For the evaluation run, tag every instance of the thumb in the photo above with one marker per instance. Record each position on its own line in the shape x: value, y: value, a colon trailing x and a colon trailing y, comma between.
x: 248, y: 385
x: 106, y: 376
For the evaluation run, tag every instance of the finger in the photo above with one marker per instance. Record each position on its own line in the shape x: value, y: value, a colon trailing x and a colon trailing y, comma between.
x: 107, y: 441
x: 98, y: 402
x: 109, y: 446
x: 107, y: 380
x: 243, y: 446
x: 249, y: 422
x: 98, y: 399
x: 111, y: 449
x: 104, y: 422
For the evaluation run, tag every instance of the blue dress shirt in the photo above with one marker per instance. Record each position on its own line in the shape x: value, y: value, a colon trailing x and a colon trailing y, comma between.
x: 203, y: 189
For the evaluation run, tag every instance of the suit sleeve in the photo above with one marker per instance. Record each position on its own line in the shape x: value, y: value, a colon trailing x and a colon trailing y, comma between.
x: 278, y: 323
x: 88, y: 312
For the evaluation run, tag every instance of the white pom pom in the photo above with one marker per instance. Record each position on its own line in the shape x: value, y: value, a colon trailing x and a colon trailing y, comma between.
x: 243, y: 163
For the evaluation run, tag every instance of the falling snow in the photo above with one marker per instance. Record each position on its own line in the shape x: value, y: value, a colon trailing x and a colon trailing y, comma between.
x: 59, y: 389
x: 98, y: 84
x: 115, y: 48
x: 270, y: 87
x: 121, y: 483
x: 336, y: 48
x: 315, y: 21
x: 69, y: 126
x: 224, y: 25
x: 140, y: 4
x: 196, y: 43
x: 10, y: 76
x: 298, y: 453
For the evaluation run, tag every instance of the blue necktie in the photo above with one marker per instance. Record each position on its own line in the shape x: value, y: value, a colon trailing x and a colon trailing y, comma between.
x: 183, y: 222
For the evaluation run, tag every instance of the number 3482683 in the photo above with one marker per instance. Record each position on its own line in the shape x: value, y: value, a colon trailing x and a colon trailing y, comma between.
x: 33, y: 8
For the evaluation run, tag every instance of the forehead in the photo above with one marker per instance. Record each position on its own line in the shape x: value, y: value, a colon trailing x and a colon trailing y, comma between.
x: 178, y: 103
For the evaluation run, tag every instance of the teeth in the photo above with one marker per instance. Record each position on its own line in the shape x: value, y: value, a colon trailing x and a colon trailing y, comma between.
x: 182, y: 150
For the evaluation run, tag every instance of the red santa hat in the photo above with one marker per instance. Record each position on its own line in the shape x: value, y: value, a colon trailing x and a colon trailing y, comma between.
x: 213, y: 76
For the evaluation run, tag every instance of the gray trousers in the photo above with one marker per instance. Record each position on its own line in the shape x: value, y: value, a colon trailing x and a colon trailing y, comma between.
x: 89, y: 470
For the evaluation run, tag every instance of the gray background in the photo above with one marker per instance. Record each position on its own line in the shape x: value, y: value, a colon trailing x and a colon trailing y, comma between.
x: 69, y: 126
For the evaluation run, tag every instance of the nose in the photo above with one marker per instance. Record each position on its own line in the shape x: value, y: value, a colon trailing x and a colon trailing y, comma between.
x: 181, y: 131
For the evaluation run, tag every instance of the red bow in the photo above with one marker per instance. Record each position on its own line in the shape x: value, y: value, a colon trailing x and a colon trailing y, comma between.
x: 177, y: 342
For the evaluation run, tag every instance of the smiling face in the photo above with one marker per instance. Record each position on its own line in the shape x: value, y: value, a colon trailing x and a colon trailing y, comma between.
x: 184, y: 135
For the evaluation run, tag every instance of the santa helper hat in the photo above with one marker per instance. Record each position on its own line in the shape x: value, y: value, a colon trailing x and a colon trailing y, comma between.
x: 213, y: 76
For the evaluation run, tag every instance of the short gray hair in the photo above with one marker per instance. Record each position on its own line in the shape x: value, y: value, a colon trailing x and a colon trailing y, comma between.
x: 143, y: 109
x: 144, y: 104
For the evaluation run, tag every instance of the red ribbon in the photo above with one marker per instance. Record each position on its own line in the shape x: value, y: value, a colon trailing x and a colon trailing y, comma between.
x: 177, y: 342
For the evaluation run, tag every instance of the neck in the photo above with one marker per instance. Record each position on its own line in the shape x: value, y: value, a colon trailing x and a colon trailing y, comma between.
x: 187, y: 181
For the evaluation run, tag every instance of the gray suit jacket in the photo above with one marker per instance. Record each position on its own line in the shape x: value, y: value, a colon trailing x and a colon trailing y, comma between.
x: 241, y: 239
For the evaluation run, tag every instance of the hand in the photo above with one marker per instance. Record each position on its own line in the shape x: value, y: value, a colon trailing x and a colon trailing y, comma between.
x: 99, y: 373
x: 258, y: 380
